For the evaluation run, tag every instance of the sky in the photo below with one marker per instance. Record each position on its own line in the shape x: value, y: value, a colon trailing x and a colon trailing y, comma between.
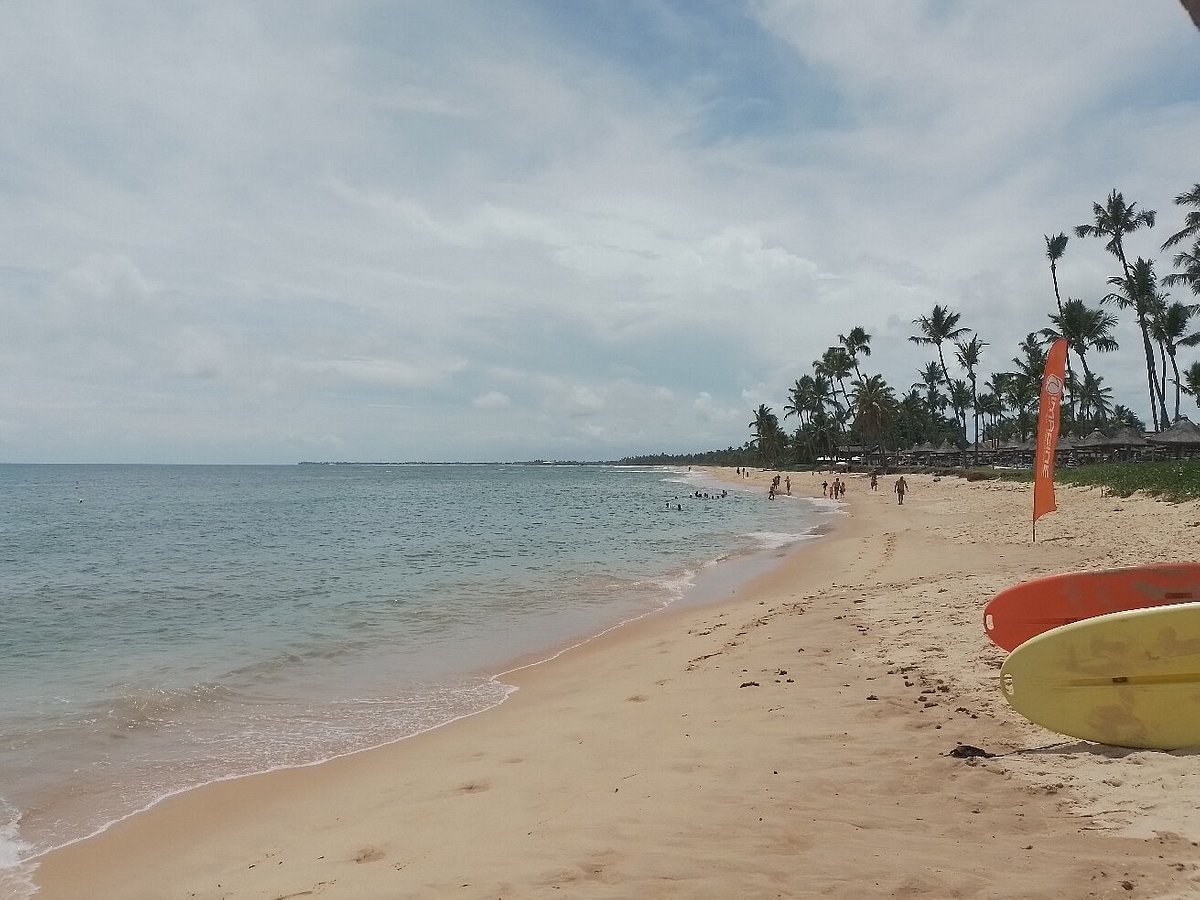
x: 268, y: 232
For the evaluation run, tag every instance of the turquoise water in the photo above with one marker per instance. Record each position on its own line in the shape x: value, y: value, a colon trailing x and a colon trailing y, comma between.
x: 167, y: 626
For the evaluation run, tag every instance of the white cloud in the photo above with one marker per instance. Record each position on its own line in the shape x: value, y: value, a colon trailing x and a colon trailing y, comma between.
x: 492, y: 400
x: 357, y: 222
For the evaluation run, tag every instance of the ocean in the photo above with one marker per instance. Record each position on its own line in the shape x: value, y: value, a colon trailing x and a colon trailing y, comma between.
x: 169, y: 626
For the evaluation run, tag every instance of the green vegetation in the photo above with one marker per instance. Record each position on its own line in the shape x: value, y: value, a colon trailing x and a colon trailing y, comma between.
x: 839, y: 405
x: 1174, y: 480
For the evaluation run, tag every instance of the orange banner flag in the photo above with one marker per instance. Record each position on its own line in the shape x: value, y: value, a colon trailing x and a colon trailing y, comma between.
x: 1047, y: 431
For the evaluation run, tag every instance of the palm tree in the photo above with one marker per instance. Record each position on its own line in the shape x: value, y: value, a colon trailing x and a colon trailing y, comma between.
x: 1123, y: 415
x: 1188, y: 261
x: 874, y: 409
x: 1085, y: 328
x: 835, y: 364
x: 1191, y: 380
x: 800, y: 399
x: 1023, y: 387
x: 1055, y: 248
x: 968, y: 353
x: 931, y: 380
x: 960, y: 398
x: 1139, y: 290
x: 913, y: 416
x: 939, y: 326
x: 1191, y: 222
x: 766, y: 435
x: 1114, y: 220
x: 1094, y: 396
x: 856, y: 343
x: 1170, y: 328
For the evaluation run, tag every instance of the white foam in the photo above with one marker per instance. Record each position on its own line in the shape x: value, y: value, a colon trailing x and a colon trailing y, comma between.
x: 16, y: 874
x: 774, y: 540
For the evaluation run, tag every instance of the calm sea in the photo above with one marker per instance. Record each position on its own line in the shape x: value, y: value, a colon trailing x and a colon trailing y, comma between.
x: 168, y: 626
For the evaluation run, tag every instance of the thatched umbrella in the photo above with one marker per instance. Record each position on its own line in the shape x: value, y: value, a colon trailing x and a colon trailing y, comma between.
x: 1182, y: 434
x: 1093, y: 441
x: 1127, y: 436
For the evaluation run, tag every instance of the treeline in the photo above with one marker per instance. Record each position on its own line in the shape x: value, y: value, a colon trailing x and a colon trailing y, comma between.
x: 839, y: 405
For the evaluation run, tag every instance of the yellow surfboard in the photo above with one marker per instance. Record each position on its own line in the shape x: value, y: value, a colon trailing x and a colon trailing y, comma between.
x: 1130, y: 679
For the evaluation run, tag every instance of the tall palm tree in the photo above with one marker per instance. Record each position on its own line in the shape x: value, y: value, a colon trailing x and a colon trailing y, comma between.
x: 1096, y: 397
x: 766, y: 435
x: 1191, y: 221
x: 1139, y: 290
x: 930, y: 380
x: 968, y: 353
x: 1055, y: 248
x: 1188, y: 261
x: 1170, y: 328
x: 1084, y: 328
x: 936, y: 328
x: 1114, y: 221
x: 856, y: 343
x: 874, y: 409
x: 800, y: 399
x: 960, y: 398
x: 835, y: 365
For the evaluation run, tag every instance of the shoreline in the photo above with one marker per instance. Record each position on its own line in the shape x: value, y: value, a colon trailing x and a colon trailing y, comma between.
x: 707, y: 582
x: 739, y: 748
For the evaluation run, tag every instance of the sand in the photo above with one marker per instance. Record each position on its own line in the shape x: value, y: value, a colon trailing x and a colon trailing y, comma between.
x: 790, y: 741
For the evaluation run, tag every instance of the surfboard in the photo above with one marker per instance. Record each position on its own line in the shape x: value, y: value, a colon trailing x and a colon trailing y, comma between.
x: 1024, y: 610
x: 1130, y: 679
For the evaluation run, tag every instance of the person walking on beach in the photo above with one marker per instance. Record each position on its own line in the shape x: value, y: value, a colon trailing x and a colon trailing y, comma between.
x: 788, y: 483
x: 824, y: 488
x: 900, y: 488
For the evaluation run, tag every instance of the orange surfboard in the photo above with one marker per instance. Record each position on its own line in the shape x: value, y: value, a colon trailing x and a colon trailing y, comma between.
x: 1028, y: 609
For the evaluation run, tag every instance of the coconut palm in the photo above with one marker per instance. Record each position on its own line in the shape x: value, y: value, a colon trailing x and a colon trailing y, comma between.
x: 1114, y: 221
x: 1191, y: 380
x: 856, y: 343
x: 874, y: 409
x: 960, y: 398
x: 766, y: 435
x: 835, y: 365
x: 1188, y: 262
x: 1055, y: 248
x: 968, y: 353
x: 1191, y: 222
x: 1084, y: 328
x: 1095, y: 397
x: 1169, y: 327
x: 800, y: 399
x: 938, y: 327
x: 931, y: 379
x: 1139, y: 290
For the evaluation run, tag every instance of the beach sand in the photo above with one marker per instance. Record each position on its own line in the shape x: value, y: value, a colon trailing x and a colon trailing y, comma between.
x: 790, y: 741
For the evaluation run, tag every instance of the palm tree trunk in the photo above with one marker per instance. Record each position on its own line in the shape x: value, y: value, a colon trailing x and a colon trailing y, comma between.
x: 1175, y: 368
x: 1058, y: 300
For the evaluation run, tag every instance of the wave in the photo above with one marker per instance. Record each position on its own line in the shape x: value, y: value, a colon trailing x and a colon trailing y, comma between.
x: 16, y: 874
x: 775, y: 540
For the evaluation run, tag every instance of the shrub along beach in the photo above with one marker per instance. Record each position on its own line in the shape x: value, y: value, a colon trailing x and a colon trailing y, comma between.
x: 799, y: 737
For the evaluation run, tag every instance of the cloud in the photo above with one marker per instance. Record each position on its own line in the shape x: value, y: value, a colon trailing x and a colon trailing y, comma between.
x: 229, y: 230
x: 492, y: 400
